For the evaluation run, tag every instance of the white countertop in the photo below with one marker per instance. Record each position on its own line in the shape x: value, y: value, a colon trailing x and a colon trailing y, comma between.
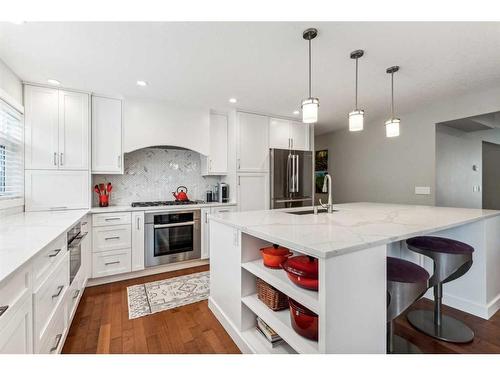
x: 355, y: 226
x: 23, y: 235
x: 100, y: 210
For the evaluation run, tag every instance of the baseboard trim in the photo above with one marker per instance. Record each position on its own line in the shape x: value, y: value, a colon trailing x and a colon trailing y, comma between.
x: 229, y: 327
x: 147, y: 272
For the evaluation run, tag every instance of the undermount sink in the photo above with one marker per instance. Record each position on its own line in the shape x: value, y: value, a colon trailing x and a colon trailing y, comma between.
x: 309, y: 212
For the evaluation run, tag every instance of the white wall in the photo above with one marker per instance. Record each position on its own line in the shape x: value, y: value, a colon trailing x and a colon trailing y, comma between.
x: 158, y: 123
x: 367, y: 166
x: 456, y: 153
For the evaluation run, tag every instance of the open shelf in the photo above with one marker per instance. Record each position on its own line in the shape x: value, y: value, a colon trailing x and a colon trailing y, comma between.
x: 280, y: 322
x: 258, y: 344
x: 279, y: 279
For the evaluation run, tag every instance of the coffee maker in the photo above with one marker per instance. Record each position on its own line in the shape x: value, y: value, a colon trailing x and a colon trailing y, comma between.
x: 223, y: 192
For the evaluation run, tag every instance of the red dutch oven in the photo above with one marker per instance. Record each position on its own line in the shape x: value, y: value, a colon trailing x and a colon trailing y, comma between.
x: 275, y: 255
x: 303, y: 271
x: 304, y: 321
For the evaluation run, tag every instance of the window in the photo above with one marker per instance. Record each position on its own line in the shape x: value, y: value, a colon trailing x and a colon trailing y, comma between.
x: 11, y: 153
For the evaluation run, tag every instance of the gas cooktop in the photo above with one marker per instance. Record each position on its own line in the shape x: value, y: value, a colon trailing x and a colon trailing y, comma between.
x: 165, y: 203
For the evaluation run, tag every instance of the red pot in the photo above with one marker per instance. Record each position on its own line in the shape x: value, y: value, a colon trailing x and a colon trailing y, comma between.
x: 304, y: 321
x: 302, y: 270
x: 274, y: 256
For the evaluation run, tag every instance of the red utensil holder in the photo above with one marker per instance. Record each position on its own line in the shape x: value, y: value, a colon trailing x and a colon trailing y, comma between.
x: 103, y: 200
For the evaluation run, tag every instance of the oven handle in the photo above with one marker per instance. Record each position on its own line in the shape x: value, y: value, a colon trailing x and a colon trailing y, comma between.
x: 183, y: 224
x: 77, y: 241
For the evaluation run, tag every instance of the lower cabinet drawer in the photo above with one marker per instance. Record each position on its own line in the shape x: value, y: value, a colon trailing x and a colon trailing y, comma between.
x: 12, y: 291
x: 73, y: 295
x: 49, y: 256
x: 52, y: 340
x: 112, y: 262
x: 111, y: 237
x: 49, y: 296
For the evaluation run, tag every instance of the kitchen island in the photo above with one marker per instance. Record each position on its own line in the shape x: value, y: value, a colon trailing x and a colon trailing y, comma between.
x: 351, y: 245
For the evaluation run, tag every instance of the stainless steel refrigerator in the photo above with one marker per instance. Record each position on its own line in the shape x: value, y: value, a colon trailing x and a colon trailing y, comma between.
x: 291, y: 178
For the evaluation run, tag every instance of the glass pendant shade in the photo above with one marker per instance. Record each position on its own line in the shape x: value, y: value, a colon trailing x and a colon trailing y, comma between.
x: 310, y: 110
x: 356, y: 119
x: 392, y: 127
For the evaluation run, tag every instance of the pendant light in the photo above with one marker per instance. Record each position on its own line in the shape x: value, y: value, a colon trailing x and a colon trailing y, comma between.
x: 310, y: 105
x: 392, y: 125
x: 356, y: 117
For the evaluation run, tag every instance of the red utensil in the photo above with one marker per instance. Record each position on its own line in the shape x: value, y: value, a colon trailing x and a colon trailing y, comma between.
x: 302, y: 270
x: 304, y: 321
x: 181, y: 194
x: 274, y: 256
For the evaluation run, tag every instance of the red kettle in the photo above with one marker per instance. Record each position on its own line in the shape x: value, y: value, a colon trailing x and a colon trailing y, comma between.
x: 181, y: 194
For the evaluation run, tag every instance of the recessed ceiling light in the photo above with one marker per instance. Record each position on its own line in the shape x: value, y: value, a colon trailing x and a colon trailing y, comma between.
x: 232, y: 100
x: 296, y: 112
x: 54, y: 82
x: 142, y: 83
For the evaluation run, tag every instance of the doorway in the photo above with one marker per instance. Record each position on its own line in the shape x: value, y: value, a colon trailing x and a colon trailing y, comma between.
x: 491, y: 176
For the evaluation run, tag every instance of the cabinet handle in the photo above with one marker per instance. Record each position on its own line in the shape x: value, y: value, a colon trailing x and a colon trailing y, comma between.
x: 239, y: 164
x: 3, y: 309
x: 206, y: 217
x: 110, y: 263
x: 77, y: 293
x: 58, y: 341
x: 59, y: 290
x: 119, y: 161
x: 61, y: 159
x: 112, y: 238
x: 291, y: 142
x: 111, y: 218
x: 55, y: 158
x: 210, y: 165
x: 138, y: 223
x: 54, y: 254
x: 59, y: 208
x: 239, y: 180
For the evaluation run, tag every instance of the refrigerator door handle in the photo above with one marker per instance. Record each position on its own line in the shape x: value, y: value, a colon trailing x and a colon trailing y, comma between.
x: 293, y: 174
x: 288, y: 173
x: 297, y: 175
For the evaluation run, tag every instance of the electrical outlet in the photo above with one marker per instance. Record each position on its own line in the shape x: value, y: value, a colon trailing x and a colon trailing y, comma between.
x: 422, y: 190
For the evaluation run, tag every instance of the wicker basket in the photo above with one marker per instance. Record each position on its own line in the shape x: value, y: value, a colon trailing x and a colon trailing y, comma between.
x: 273, y: 298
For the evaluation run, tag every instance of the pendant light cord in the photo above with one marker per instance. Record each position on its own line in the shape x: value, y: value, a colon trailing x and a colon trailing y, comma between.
x: 309, y: 67
x: 356, y: 95
x: 392, y: 95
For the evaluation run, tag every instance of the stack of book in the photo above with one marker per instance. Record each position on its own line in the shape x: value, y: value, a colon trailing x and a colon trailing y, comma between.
x: 272, y: 338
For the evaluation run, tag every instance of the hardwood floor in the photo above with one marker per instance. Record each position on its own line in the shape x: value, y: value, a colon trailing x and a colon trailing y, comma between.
x: 101, y: 324
x: 487, y: 333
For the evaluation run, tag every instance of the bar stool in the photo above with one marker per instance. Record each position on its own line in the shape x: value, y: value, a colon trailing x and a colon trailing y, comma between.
x: 406, y: 283
x: 452, y: 259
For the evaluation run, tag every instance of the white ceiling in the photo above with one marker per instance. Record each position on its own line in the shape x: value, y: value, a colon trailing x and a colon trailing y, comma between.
x: 263, y: 65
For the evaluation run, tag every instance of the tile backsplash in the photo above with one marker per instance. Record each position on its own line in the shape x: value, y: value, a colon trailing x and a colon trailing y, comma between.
x: 154, y: 173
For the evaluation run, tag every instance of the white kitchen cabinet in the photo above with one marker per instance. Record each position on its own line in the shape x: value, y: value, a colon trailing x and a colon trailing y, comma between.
x: 137, y: 240
x: 112, y: 262
x: 215, y: 163
x: 74, y: 131
x: 253, y: 191
x: 252, y: 143
x: 107, y: 135
x: 299, y: 135
x: 285, y: 134
x: 16, y: 337
x: 205, y: 227
x: 56, y: 190
x: 41, y: 123
x: 56, y: 129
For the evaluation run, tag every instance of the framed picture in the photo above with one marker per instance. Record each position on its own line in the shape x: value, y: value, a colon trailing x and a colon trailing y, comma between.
x: 320, y: 169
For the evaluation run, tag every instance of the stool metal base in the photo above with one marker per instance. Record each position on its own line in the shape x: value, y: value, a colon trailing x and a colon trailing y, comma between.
x: 450, y: 330
x: 403, y: 346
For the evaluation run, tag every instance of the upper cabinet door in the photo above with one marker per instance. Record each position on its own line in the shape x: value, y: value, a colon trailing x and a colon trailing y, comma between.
x: 253, y: 143
x: 279, y: 134
x: 73, y: 130
x: 218, y: 144
x: 41, y: 127
x: 299, y: 133
x: 107, y: 135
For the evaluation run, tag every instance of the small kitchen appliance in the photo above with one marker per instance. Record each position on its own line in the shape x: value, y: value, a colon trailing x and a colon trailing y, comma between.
x: 223, y: 189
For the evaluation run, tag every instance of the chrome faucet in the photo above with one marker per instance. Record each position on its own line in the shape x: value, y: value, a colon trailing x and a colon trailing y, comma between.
x: 327, y: 188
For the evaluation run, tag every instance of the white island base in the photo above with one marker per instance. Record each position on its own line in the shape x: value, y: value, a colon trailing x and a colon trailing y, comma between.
x: 351, y: 301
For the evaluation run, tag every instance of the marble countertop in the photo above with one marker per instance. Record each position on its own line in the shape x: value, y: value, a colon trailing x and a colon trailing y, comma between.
x: 23, y: 235
x: 355, y: 226
x: 101, y: 210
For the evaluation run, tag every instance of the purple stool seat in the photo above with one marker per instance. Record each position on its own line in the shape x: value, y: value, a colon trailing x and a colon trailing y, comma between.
x: 438, y: 245
x: 402, y: 271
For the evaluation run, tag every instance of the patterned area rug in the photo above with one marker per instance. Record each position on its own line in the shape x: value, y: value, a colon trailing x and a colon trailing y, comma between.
x: 150, y: 298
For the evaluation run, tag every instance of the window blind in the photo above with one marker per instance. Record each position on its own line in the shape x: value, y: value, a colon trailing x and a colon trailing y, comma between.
x: 11, y: 152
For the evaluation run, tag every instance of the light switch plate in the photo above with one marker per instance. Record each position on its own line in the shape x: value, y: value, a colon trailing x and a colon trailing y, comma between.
x: 422, y: 190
